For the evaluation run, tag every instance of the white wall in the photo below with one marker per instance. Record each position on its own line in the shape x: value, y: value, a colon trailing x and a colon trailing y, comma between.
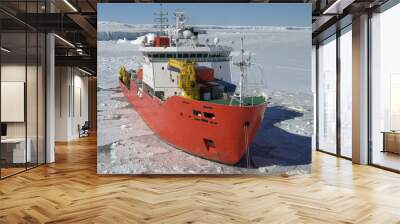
x: 62, y: 81
x: 13, y: 101
x: 79, y: 118
x: 12, y: 73
x: 33, y: 125
x: 71, y: 87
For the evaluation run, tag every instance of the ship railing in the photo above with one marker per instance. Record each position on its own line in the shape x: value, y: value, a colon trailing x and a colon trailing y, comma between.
x: 195, y: 59
x: 248, y: 100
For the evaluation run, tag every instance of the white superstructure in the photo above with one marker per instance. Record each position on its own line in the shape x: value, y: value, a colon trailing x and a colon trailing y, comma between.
x: 182, y: 44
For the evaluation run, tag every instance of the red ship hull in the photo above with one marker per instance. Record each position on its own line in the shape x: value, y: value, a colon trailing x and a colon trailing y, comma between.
x: 223, y: 138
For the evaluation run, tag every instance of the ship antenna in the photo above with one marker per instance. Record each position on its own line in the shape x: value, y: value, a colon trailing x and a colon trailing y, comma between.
x: 242, y: 65
x: 161, y: 19
x: 180, y: 19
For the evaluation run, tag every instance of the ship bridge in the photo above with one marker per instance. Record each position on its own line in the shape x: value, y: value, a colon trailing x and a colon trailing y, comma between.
x: 200, y: 54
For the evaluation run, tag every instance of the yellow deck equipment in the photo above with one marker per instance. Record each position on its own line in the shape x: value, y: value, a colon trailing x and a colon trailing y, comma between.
x: 125, y: 76
x: 186, y: 77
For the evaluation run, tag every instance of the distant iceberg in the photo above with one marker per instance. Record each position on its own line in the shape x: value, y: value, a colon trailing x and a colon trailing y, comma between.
x: 108, y: 30
x: 139, y: 40
x: 122, y: 41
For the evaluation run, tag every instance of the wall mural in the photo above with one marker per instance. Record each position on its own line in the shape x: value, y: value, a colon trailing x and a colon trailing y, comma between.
x: 204, y: 88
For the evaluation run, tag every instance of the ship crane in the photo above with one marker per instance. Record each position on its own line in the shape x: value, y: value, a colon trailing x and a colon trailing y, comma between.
x: 186, y: 76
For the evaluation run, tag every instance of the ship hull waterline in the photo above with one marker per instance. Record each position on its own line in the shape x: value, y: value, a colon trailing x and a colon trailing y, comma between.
x: 223, y: 138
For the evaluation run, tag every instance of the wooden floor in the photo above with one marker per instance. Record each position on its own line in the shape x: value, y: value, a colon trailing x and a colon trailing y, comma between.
x: 5, y: 172
x: 387, y: 159
x: 70, y: 191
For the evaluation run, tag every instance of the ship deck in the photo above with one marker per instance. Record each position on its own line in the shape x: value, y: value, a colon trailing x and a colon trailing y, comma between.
x: 252, y: 100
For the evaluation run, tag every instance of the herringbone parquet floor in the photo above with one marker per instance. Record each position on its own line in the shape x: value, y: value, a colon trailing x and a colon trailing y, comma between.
x: 70, y: 191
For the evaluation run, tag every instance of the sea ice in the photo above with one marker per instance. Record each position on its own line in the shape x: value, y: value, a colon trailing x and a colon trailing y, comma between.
x: 283, y: 142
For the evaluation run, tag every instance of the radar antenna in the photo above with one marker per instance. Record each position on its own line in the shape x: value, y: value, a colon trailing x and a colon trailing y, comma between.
x: 180, y: 19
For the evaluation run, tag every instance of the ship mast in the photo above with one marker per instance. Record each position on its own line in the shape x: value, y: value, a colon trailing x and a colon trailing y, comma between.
x: 162, y: 19
x: 242, y: 65
x: 179, y: 19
